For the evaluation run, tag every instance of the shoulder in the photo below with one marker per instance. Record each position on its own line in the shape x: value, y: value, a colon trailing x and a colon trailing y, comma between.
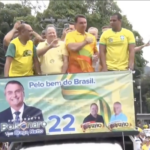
x: 4, y: 112
x: 33, y: 109
x: 100, y: 116
x: 86, y: 117
x: 126, y: 31
x: 30, y: 42
x: 41, y: 45
x: 107, y: 33
x: 71, y: 33
x: 123, y: 115
x: 15, y: 41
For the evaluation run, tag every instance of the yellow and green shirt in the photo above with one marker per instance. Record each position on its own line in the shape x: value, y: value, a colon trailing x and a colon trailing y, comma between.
x: 117, y: 52
x: 80, y: 61
x: 22, y: 64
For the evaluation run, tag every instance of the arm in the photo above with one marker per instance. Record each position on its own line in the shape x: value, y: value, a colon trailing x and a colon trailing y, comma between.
x: 137, y: 49
x: 10, y: 54
x: 71, y: 43
x: 7, y: 66
x: 42, y: 51
x: 131, y: 56
x: 37, y: 38
x: 8, y: 37
x: 65, y: 31
x: 102, y: 53
x: 76, y: 46
x: 36, y: 63
x: 65, y: 59
x: 103, y: 57
x: 131, y: 42
x: 65, y: 64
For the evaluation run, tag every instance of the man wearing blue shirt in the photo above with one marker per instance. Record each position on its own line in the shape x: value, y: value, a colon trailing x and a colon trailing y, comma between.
x: 118, y: 116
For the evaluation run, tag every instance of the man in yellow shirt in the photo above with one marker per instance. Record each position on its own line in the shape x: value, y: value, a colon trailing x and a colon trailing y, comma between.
x: 137, y: 49
x: 117, y: 47
x: 52, y: 54
x: 146, y: 145
x: 81, y: 47
x: 21, y: 54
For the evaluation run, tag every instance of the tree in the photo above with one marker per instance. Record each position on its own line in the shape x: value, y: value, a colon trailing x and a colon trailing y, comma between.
x: 8, y: 14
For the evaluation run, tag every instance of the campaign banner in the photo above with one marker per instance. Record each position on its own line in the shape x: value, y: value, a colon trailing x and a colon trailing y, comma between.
x: 66, y: 104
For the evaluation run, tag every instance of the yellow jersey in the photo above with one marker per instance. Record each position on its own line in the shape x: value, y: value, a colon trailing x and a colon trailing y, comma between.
x: 22, y: 64
x: 52, y: 61
x: 80, y: 61
x: 145, y: 147
x: 117, y: 52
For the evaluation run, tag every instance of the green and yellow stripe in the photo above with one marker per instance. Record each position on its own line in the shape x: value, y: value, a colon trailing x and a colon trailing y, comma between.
x: 85, y: 93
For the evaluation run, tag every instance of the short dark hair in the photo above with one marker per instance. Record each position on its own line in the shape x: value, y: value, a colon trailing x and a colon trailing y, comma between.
x: 93, y: 104
x: 119, y: 16
x: 14, y: 82
x: 78, y: 16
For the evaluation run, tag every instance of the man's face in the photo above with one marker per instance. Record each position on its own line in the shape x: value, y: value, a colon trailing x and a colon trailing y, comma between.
x: 51, y: 33
x: 94, y: 110
x: 71, y: 27
x: 27, y: 32
x: 94, y: 32
x: 14, y: 94
x: 81, y: 24
x: 117, y: 109
x: 114, y: 22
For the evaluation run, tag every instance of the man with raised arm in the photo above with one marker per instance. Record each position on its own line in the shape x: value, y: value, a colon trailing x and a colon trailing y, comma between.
x: 81, y: 47
x: 14, y: 33
x: 21, y: 54
x: 117, y: 47
x: 67, y: 30
x: 52, y: 53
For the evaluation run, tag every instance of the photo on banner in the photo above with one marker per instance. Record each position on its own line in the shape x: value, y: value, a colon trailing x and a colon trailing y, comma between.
x: 66, y: 104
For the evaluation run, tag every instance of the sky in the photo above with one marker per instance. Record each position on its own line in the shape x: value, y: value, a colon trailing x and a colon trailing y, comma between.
x: 137, y: 13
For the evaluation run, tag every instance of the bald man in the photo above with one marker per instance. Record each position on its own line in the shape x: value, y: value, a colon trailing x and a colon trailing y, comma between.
x: 118, y: 115
x: 21, y: 54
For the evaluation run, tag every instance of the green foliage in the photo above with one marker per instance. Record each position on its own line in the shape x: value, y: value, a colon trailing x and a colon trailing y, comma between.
x: 9, y: 13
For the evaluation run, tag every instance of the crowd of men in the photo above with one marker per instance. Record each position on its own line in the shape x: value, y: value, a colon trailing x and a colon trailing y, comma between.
x: 77, y: 51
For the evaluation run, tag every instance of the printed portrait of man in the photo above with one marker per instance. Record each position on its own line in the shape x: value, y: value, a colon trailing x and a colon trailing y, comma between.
x: 93, y: 116
x: 18, y: 110
x: 118, y: 114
